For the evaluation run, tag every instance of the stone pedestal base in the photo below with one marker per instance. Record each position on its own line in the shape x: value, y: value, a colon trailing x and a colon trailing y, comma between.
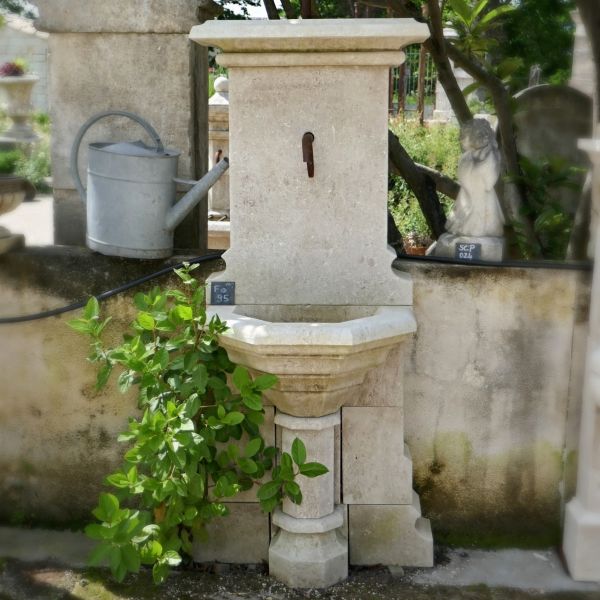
x: 308, y: 553
x: 489, y: 248
x: 394, y: 535
x: 581, y: 542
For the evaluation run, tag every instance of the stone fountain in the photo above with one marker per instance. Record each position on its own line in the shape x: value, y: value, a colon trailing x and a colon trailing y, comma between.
x: 309, y: 292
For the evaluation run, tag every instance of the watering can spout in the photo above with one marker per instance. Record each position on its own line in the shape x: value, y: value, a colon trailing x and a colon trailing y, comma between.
x: 180, y: 210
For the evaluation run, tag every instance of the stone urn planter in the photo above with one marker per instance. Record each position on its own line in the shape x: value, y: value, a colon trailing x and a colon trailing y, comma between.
x: 15, y: 92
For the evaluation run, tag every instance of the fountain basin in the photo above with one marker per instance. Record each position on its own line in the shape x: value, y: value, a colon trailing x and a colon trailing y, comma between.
x: 320, y: 354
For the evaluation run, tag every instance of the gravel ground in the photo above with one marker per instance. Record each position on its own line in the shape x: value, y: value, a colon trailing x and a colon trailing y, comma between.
x: 33, y: 581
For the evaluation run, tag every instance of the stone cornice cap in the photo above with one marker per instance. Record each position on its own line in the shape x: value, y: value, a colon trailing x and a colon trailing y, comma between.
x: 310, y: 35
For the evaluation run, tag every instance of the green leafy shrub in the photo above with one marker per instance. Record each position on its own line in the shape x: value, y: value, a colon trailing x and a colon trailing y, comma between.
x: 8, y: 161
x: 436, y: 146
x: 197, y: 441
x: 552, y: 224
x: 36, y: 166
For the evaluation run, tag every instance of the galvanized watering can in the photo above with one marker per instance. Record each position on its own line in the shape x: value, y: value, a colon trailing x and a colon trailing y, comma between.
x: 131, y: 193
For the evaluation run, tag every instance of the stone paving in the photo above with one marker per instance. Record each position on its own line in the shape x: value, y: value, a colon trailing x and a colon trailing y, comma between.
x: 41, y: 581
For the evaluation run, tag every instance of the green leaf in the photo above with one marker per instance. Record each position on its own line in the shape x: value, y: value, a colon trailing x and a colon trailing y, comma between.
x: 270, y: 504
x: 462, y: 9
x: 313, y: 469
x: 253, y: 447
x: 252, y: 401
x: 146, y: 321
x: 108, y: 506
x: 103, y: 375
x: 268, y: 490
x: 493, y: 15
x: 298, y: 451
x: 171, y: 558
x: 80, y: 325
x: 185, y: 313
x: 241, y: 377
x: 92, y: 309
x: 233, y: 418
x: 95, y: 531
x: 292, y: 489
x: 264, y: 382
x: 247, y: 465
x: 160, y: 573
x: 99, y: 555
x: 131, y: 558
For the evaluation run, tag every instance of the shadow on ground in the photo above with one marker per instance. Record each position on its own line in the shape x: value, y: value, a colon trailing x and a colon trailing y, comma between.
x: 43, y: 581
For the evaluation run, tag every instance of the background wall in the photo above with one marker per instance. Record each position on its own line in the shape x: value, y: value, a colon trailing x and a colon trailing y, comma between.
x: 20, y: 39
x: 492, y: 389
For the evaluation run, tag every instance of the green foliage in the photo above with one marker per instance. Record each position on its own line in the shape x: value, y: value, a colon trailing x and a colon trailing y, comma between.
x: 236, y: 9
x: 197, y: 441
x: 540, y: 32
x: 435, y: 146
x: 551, y: 223
x: 474, y: 20
x: 36, y: 166
x: 8, y: 161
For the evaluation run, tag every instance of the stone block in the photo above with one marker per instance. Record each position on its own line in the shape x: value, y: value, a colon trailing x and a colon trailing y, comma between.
x: 390, y: 535
x: 319, y: 438
x: 241, y: 537
x: 384, y: 385
x: 309, y: 560
x: 581, y: 543
x: 115, y: 16
x: 377, y: 468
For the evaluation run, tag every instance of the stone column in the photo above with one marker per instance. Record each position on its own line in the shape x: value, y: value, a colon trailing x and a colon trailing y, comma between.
x: 581, y: 544
x: 218, y: 147
x: 583, y: 73
x: 309, y: 549
x: 132, y: 56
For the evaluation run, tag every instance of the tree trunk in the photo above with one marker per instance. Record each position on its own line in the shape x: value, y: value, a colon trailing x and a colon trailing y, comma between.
x: 271, y: 9
x: 288, y: 9
x: 422, y: 185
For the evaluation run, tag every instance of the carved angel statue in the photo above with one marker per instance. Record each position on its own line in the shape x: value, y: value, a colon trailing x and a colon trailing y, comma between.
x: 477, y: 211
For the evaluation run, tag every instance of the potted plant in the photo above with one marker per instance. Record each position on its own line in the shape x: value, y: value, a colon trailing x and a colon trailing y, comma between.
x: 16, y: 85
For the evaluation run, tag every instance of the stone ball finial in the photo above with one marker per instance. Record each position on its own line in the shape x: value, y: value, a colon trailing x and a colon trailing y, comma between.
x: 221, y: 84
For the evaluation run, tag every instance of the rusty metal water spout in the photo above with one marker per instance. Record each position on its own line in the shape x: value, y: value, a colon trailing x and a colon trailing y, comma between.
x: 307, y: 152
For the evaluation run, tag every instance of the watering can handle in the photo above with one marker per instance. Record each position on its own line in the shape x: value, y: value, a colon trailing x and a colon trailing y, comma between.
x: 77, y: 143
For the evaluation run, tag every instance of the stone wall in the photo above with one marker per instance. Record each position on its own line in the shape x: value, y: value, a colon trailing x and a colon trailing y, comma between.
x: 491, y: 394
x: 132, y: 56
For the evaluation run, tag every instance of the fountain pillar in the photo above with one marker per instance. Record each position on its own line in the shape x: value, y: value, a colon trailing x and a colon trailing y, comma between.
x: 581, y: 543
x: 309, y: 292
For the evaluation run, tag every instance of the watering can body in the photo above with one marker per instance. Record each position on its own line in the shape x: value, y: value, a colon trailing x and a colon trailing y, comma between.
x: 131, y: 194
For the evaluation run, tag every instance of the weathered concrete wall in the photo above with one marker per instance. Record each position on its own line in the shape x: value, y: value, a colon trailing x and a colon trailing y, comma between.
x: 132, y: 56
x: 492, y: 387
x: 491, y: 394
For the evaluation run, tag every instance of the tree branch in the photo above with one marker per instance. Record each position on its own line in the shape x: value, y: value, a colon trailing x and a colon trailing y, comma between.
x: 444, y: 184
x: 436, y: 45
x: 271, y: 9
x: 288, y: 9
x: 420, y: 183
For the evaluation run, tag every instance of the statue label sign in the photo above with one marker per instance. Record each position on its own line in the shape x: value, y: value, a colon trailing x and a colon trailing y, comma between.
x: 467, y: 251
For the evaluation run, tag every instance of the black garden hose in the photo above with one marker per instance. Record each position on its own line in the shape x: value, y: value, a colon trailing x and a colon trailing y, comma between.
x: 105, y: 295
